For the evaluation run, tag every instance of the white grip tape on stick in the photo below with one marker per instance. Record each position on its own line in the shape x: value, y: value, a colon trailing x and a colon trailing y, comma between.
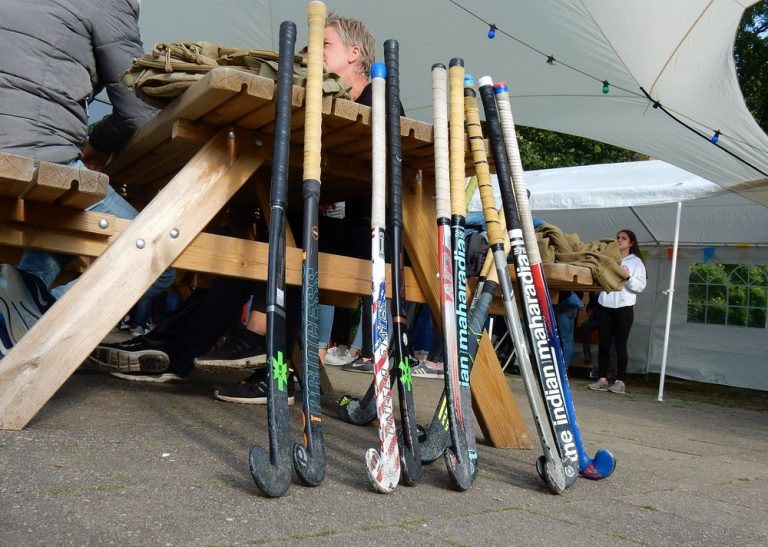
x: 378, y: 127
x: 442, y: 166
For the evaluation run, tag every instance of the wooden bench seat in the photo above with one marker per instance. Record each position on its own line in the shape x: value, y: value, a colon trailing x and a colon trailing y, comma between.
x: 24, y: 178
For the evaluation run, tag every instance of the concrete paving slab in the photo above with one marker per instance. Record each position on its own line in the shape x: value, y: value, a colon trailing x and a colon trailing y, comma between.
x: 110, y: 462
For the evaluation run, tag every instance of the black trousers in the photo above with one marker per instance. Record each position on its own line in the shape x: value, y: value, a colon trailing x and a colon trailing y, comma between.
x: 615, y: 324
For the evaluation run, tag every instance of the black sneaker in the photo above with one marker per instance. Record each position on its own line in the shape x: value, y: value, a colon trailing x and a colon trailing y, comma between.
x: 242, y: 349
x: 145, y: 354
x: 252, y: 391
x: 359, y: 365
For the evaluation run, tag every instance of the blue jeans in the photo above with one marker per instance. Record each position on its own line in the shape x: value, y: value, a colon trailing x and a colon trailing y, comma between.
x: 566, y: 323
x: 326, y: 325
x: 47, y: 266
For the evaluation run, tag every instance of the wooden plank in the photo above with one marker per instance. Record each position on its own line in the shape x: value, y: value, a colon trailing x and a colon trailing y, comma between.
x: 212, y: 254
x: 256, y: 95
x: 68, y: 186
x: 119, y: 277
x: 203, y: 96
x: 495, y: 407
x: 16, y: 173
x: 185, y: 139
x: 51, y: 216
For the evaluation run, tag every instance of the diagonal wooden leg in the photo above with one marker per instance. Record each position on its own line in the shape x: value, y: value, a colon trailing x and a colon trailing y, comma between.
x: 51, y: 351
x: 495, y: 407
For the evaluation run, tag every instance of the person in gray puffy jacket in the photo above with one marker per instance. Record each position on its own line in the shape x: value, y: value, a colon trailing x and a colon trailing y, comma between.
x: 56, y: 56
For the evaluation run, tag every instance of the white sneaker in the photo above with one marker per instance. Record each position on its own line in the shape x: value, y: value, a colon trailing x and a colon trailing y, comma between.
x: 423, y: 370
x: 337, y: 357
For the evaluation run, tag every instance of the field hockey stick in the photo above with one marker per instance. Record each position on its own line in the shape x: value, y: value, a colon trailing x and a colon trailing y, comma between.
x: 272, y: 471
x: 458, y: 463
x: 603, y: 464
x: 309, y: 457
x: 383, y: 467
x: 558, y: 469
x: 400, y: 354
x: 458, y: 241
x: 438, y: 436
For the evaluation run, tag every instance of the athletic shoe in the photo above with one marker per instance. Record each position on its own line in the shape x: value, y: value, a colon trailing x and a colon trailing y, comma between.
x: 23, y: 300
x: 423, y: 370
x: 143, y: 354
x: 618, y: 387
x: 337, y: 357
x: 252, y: 391
x: 359, y: 365
x: 152, y: 377
x: 600, y: 385
x: 242, y: 349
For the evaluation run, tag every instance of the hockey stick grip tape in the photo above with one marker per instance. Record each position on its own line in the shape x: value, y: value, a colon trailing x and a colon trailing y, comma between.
x: 442, y: 165
x: 480, y: 159
x: 394, y: 154
x: 457, y: 138
x: 518, y: 175
x: 379, y: 175
x: 314, y: 94
x: 283, y: 112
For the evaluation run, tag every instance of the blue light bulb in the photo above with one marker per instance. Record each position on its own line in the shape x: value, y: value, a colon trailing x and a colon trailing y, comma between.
x: 715, y: 137
x: 492, y: 32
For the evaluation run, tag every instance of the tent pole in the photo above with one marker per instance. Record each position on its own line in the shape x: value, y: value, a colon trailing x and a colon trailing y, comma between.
x: 670, y: 295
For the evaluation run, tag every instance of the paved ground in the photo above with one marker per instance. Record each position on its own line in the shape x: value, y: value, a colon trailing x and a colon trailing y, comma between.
x: 111, y: 462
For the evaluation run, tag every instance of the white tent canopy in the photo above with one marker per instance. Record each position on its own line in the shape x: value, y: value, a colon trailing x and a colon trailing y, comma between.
x: 681, y: 53
x: 716, y: 227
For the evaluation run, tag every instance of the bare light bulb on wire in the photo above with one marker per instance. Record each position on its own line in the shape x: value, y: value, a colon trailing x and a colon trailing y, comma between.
x: 606, y: 87
x: 715, y: 137
x: 492, y: 32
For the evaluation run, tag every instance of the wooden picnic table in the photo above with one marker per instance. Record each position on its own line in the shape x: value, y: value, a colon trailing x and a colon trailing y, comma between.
x: 185, y: 164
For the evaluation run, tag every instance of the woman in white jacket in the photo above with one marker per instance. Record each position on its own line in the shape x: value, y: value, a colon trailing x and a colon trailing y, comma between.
x: 616, y: 314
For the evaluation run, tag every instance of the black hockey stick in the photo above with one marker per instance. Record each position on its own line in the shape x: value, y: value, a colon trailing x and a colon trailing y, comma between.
x: 541, y: 345
x: 272, y: 471
x: 309, y: 457
x: 399, y: 351
x: 603, y: 464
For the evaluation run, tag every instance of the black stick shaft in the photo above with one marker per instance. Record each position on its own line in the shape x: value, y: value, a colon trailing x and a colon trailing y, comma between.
x: 272, y: 472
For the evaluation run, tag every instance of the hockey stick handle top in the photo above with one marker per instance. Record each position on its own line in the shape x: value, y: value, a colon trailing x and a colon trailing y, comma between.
x: 391, y: 51
x: 438, y: 65
x: 457, y: 61
x: 484, y: 80
x: 469, y: 80
x: 378, y: 70
x: 500, y: 87
x: 287, y: 34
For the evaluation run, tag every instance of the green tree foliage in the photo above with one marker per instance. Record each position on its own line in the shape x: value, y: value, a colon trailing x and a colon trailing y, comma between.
x: 751, y: 55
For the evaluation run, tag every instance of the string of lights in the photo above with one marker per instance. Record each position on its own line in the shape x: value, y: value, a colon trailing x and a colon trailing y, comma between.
x: 714, y: 136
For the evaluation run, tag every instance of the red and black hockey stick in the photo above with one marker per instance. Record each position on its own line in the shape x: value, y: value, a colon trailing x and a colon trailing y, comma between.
x: 272, y: 471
